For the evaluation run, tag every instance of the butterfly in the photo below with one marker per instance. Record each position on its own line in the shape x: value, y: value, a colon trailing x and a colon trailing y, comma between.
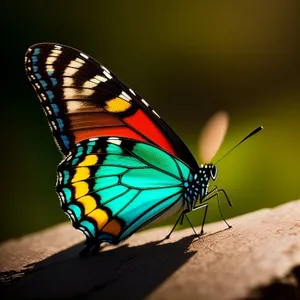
x: 123, y: 166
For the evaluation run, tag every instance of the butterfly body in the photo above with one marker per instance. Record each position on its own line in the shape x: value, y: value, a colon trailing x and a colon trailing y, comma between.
x: 123, y: 166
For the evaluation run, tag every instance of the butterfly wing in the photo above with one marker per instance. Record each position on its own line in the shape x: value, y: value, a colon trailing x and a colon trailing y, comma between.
x: 212, y: 135
x: 83, y: 99
x: 112, y: 187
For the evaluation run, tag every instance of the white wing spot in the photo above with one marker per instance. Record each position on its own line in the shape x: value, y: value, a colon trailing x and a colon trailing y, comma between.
x: 155, y: 113
x: 145, y: 102
x: 70, y: 214
x: 89, y: 84
x: 79, y: 60
x: 61, y: 198
x: 53, y: 125
x: 75, y: 64
x: 93, y: 139
x: 49, y: 68
x: 53, y: 56
x: 84, y: 55
x: 94, y: 80
x: 57, y: 47
x: 107, y: 74
x: 125, y: 96
x: 50, y: 60
x: 68, y: 81
x: 105, y: 69
x: 100, y: 78
x: 113, y: 138
x: 58, y: 51
x: 132, y: 92
x: 59, y: 177
x: 48, y: 110
x: 73, y: 106
x: 70, y: 93
x: 71, y: 69
x: 116, y: 142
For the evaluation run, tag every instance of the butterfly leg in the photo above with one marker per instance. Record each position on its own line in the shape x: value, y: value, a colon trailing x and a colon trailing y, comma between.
x: 92, y: 246
x: 223, y: 191
x: 184, y: 214
x: 204, y: 217
x: 216, y: 194
x: 196, y: 234
x: 219, y: 205
x: 180, y: 218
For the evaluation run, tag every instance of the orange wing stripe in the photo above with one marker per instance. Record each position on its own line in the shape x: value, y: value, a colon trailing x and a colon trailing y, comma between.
x: 115, y: 131
x: 139, y: 121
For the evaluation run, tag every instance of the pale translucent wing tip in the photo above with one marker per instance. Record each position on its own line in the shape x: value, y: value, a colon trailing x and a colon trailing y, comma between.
x: 212, y: 135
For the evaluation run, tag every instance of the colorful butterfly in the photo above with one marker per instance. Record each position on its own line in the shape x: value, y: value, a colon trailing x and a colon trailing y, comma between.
x: 123, y: 166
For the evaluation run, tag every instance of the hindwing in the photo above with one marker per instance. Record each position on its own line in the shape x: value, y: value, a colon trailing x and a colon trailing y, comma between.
x: 111, y: 187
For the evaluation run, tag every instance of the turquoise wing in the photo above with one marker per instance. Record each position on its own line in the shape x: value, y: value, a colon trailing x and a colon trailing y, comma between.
x: 112, y: 187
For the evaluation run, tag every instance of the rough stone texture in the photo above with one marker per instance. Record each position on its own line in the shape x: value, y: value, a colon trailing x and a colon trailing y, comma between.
x: 259, y: 258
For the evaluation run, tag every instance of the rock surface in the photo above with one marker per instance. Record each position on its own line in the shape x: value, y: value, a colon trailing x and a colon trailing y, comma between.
x: 259, y: 258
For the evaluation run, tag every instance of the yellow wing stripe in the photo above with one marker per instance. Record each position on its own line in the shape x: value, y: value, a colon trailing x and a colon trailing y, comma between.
x: 89, y: 203
x: 100, y: 216
x: 81, y: 189
x: 89, y: 160
x: 117, y: 105
x: 81, y: 174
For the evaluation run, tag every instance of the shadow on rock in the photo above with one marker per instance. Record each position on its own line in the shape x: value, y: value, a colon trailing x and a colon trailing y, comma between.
x: 286, y: 288
x: 124, y: 272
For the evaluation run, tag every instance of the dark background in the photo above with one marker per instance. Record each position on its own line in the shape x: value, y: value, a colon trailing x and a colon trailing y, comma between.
x: 188, y: 59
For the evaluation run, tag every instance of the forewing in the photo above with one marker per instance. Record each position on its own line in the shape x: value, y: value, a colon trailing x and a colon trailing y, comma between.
x: 83, y: 99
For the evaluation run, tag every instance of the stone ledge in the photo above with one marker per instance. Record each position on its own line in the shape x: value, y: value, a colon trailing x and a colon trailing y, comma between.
x: 259, y: 258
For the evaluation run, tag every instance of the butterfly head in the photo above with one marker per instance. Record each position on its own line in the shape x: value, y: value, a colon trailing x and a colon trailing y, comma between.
x: 210, y: 170
x: 205, y: 173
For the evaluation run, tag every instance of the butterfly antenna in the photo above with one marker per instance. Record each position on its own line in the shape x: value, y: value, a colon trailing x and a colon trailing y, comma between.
x: 258, y: 129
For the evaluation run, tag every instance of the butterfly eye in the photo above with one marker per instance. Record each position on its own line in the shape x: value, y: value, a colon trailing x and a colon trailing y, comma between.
x: 213, y: 172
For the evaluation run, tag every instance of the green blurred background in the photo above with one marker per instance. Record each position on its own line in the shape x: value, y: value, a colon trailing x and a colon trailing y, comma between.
x: 189, y: 59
